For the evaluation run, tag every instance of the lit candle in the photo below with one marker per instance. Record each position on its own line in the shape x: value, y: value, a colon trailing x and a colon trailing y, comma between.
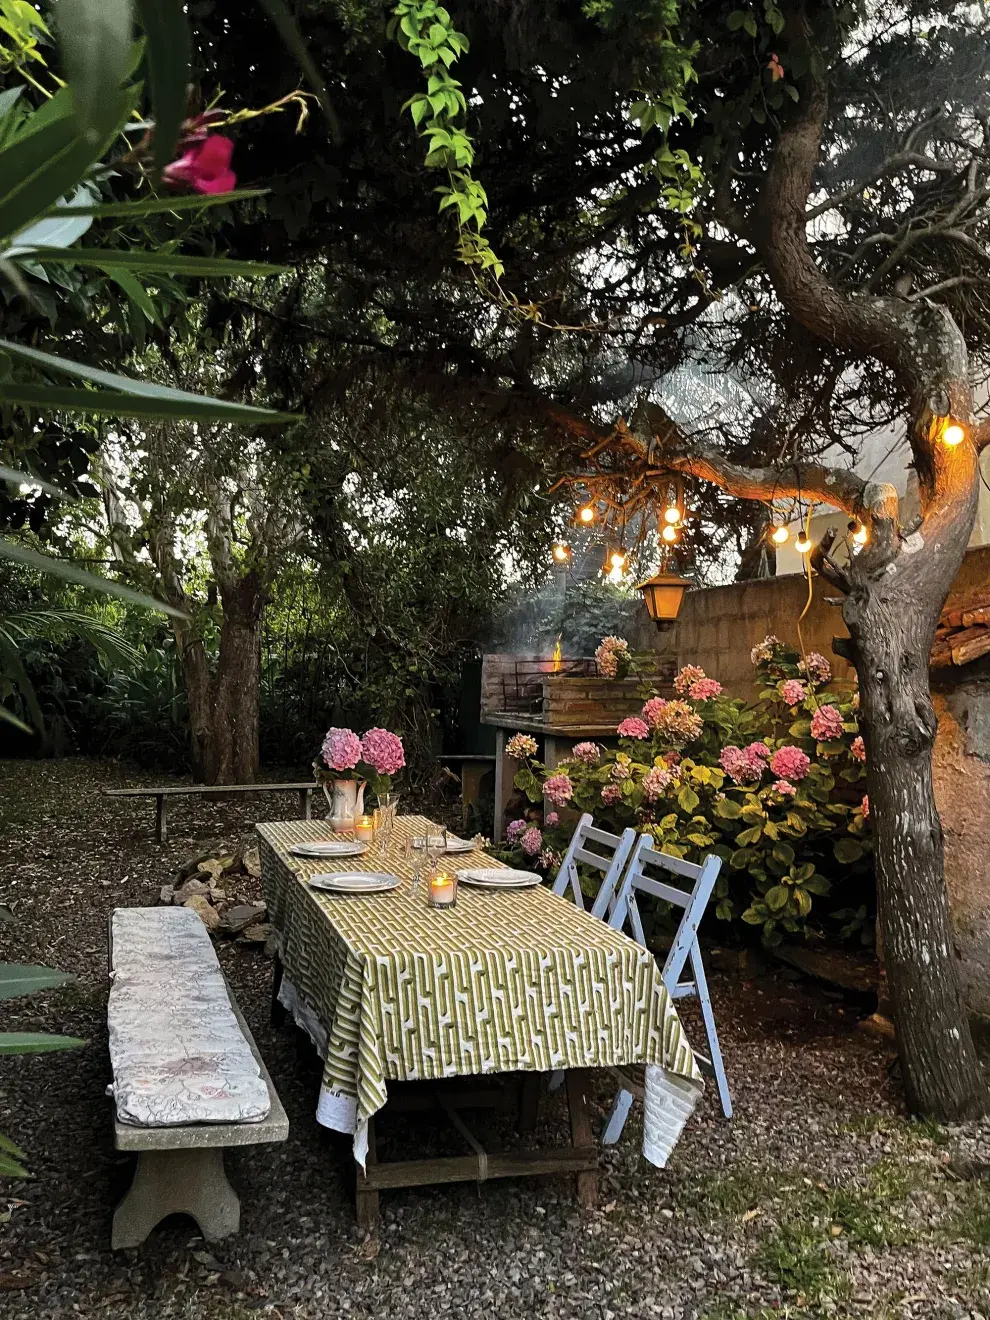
x: 364, y: 828
x: 443, y: 890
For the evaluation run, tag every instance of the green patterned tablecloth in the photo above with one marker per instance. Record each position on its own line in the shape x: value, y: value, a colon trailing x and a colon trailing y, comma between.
x: 517, y: 980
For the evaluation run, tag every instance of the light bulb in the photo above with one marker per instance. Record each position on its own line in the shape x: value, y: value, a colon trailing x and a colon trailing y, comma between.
x: 802, y: 545
x: 561, y: 552
x: 587, y: 513
x: 617, y: 560
x: 954, y: 434
x: 860, y: 534
x: 779, y: 535
x: 672, y: 515
x: 669, y: 534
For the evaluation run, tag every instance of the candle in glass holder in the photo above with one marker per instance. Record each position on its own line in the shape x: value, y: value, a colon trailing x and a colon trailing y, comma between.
x: 442, y: 892
x: 364, y: 829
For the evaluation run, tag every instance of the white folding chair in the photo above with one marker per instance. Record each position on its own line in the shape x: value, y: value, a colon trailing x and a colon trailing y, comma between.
x: 693, y: 901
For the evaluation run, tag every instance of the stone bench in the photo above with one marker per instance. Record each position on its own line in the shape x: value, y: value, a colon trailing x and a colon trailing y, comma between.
x: 188, y: 1079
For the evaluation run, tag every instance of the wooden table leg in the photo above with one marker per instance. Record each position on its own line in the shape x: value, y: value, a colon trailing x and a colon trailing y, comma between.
x: 529, y: 1101
x: 161, y: 825
x: 577, y: 1082
x: 305, y: 811
x: 365, y: 1197
x: 278, y: 1013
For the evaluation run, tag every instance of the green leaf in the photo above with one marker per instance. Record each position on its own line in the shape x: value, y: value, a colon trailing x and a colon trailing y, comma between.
x: 8, y: 1147
x: 111, y: 403
x: 33, y: 1042
x: 783, y: 853
x: 687, y: 799
x: 155, y: 205
x: 291, y: 36
x: 776, y: 898
x: 69, y: 572
x: 751, y: 835
x: 167, y: 56
x: 158, y: 263
x: 95, y: 41
x: 24, y: 979
x: 752, y: 917
x: 802, y: 901
x: 10, y: 1168
x: 817, y: 884
x: 136, y: 292
x: 847, y: 851
x: 800, y: 729
x: 28, y: 478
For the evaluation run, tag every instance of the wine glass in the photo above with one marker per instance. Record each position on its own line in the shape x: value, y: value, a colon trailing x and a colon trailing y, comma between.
x: 385, y: 814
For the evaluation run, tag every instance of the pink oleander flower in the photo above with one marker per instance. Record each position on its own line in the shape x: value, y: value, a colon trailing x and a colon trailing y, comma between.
x: 816, y: 667
x: 549, y: 860
x: 653, y: 709
x: 742, y: 764
x: 865, y: 807
x: 611, y: 794
x: 610, y: 654
x: 515, y: 829
x: 764, y: 650
x: 688, y: 675
x: 551, y: 819
x: 858, y: 748
x: 705, y: 689
x: 784, y: 788
x: 205, y: 167
x: 790, y: 763
x: 588, y: 752
x: 633, y: 727
x: 655, y: 783
x: 532, y: 842
x: 383, y: 751
x: 558, y: 789
x: 793, y: 691
x: 520, y: 746
x: 341, y: 749
x: 826, y: 724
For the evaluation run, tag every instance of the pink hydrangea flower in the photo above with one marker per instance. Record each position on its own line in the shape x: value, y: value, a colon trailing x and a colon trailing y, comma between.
x: 633, y: 727
x: 531, y: 842
x: 655, y: 782
x: 674, y: 720
x: 558, y: 789
x: 784, y: 788
x: 653, y: 709
x: 612, y: 652
x: 520, y: 746
x: 758, y: 751
x: 515, y: 829
x: 341, y: 749
x: 205, y: 167
x: 790, y: 763
x: 611, y: 794
x: 816, y: 667
x: 549, y: 860
x: 855, y: 700
x: 383, y: 751
x: 858, y: 748
x: 688, y: 675
x: 705, y: 689
x: 793, y: 691
x: 866, y: 806
x: 552, y: 819
x: 621, y: 771
x: 826, y: 724
x: 764, y: 650
x: 588, y: 752
x: 741, y: 764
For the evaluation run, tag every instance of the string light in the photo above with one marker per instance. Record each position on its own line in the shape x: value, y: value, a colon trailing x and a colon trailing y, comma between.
x: 669, y: 534
x: 953, y: 433
x: 672, y: 515
x: 860, y: 535
x: 780, y: 534
x: 617, y: 561
x: 561, y: 552
x: 586, y: 513
x: 803, y: 544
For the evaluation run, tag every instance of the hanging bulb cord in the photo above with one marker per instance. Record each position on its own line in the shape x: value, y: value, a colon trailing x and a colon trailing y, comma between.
x: 811, y: 589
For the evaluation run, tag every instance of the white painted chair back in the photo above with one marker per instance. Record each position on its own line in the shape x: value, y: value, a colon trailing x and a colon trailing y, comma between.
x: 600, y: 850
x: 691, y: 897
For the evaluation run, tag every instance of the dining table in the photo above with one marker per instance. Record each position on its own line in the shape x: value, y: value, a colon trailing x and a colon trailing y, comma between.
x: 509, y: 981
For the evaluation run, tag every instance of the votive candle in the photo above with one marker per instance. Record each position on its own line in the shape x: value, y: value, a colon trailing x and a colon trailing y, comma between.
x: 364, y: 829
x: 443, y: 890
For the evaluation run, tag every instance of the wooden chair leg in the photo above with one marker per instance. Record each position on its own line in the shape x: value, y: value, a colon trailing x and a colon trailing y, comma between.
x: 708, y: 1017
x: 617, y: 1116
x: 577, y: 1085
x: 161, y: 825
x: 366, y: 1197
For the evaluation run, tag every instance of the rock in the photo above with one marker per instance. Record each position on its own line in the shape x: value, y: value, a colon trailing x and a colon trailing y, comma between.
x: 211, y: 866
x: 252, y: 863
x: 166, y: 894
x: 877, y: 1026
x: 257, y: 934
x: 243, y: 915
x: 189, y: 890
x: 205, y: 910
x: 858, y: 973
x: 190, y: 867
x: 229, y: 863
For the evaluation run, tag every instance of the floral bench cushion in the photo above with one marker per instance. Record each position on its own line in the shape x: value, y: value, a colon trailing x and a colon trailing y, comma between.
x: 177, y: 1052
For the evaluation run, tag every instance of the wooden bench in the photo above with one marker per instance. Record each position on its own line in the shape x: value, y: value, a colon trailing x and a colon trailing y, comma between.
x: 472, y: 769
x: 187, y: 790
x: 180, y: 1167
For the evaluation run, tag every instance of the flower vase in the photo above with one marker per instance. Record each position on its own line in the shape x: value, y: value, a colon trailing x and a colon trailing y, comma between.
x: 346, y: 798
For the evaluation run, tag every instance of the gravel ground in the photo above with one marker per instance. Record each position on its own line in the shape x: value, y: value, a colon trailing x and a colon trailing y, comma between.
x: 820, y: 1198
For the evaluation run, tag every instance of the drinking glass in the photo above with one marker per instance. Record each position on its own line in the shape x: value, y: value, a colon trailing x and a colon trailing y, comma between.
x: 435, y: 845
x: 388, y: 805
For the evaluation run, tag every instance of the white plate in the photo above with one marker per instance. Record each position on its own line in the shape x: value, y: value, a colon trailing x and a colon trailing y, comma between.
x: 328, y: 848
x: 499, y: 877
x: 436, y: 841
x: 354, y: 882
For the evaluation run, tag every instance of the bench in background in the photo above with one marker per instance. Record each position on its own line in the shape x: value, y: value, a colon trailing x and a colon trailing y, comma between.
x: 207, y: 790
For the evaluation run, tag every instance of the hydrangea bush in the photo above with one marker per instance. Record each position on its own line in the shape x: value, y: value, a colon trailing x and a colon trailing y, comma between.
x: 775, y: 787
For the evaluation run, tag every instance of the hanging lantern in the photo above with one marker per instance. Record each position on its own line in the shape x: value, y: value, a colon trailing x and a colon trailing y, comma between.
x: 663, y: 594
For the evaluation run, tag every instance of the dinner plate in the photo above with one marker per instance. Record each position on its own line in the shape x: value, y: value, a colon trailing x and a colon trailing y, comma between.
x: 499, y: 877
x: 436, y: 841
x: 328, y: 848
x: 354, y: 882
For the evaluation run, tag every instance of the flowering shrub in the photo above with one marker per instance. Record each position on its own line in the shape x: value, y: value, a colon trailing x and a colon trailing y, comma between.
x: 376, y: 757
x: 612, y: 657
x: 520, y: 746
x: 774, y: 787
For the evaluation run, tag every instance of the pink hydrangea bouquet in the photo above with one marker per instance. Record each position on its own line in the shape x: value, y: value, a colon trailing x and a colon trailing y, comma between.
x: 375, y: 757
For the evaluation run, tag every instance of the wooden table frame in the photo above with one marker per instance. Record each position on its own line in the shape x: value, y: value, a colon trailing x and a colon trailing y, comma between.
x: 579, y: 1157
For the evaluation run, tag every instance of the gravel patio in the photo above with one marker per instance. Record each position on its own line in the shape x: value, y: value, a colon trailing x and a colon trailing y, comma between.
x: 820, y: 1198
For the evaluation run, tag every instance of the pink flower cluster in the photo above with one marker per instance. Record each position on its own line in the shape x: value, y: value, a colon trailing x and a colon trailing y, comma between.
x: 826, y: 723
x: 611, y: 794
x: 688, y: 675
x: 204, y: 167
x: 515, y: 829
x: 790, y: 763
x: 793, y: 691
x: 558, y: 789
x: 610, y: 653
x: 653, y: 710
x: 858, y: 748
x: 532, y: 841
x: 816, y: 667
x: 705, y: 689
x: 633, y: 727
x: 866, y: 806
x: 383, y: 751
x: 673, y: 720
x: 549, y: 860
x: 621, y: 771
x: 656, y: 782
x: 764, y: 650
x: 784, y: 788
x: 588, y: 752
x: 341, y: 749
x: 551, y: 820
x: 745, y: 764
x: 520, y: 746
